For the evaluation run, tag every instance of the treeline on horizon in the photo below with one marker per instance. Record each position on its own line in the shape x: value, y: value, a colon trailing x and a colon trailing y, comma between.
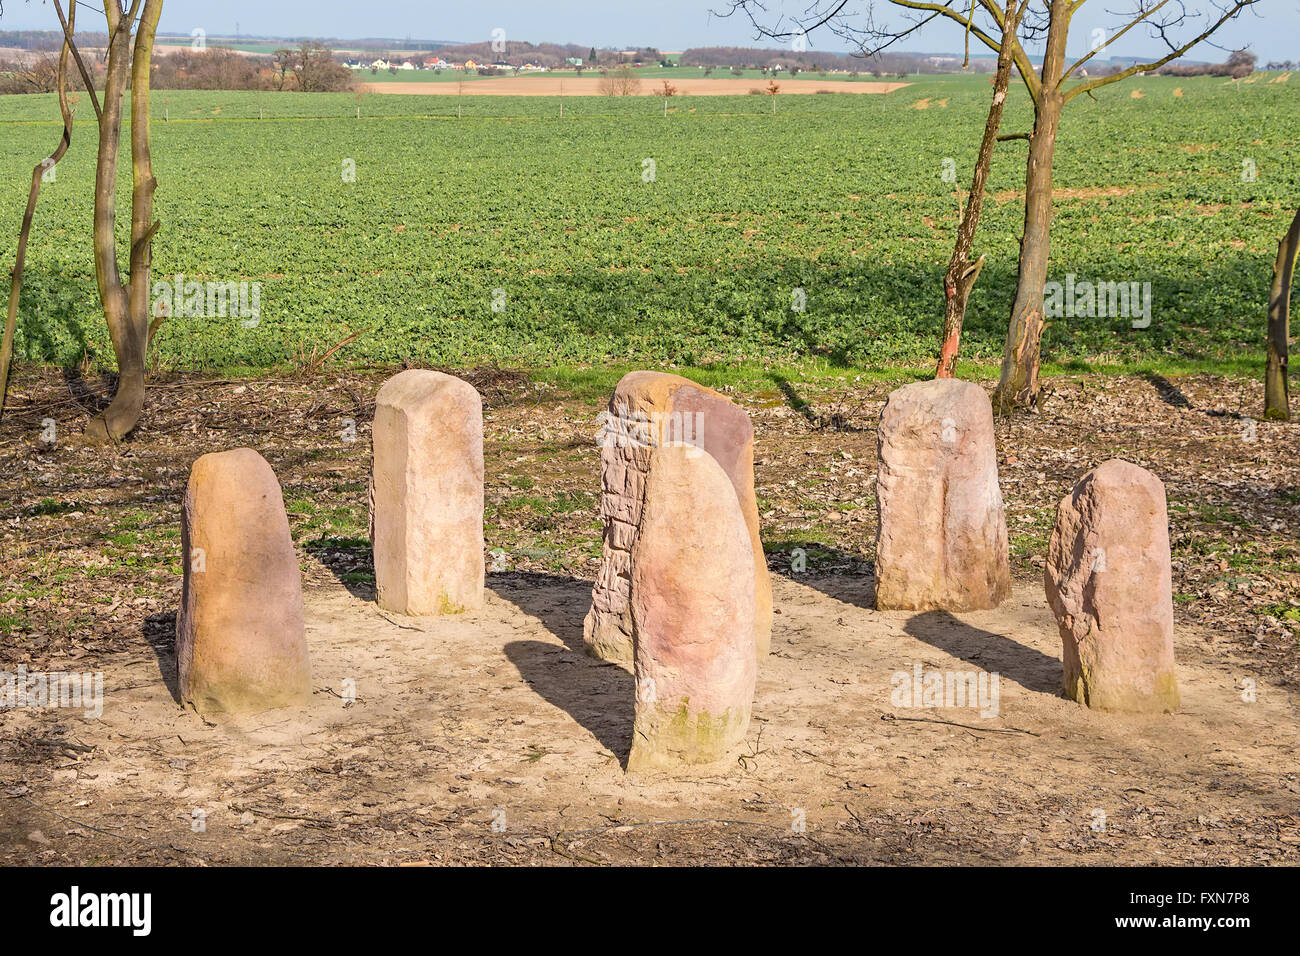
x: 312, y: 66
x: 759, y: 58
x: 309, y: 68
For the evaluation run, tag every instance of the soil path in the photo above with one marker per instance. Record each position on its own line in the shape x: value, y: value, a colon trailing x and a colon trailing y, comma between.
x: 498, y: 718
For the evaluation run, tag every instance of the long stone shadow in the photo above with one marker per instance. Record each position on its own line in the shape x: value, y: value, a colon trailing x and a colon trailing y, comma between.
x: 842, y: 575
x: 159, y: 632
x: 1031, y: 669
x: 597, y: 694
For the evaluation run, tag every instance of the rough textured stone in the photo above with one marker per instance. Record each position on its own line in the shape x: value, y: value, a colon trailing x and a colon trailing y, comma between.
x: 941, y: 542
x: 1109, y: 583
x: 426, y: 494
x: 692, y: 604
x: 240, y: 645
x: 672, y: 409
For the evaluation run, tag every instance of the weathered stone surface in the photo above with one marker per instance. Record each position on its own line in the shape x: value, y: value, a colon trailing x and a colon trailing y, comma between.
x: 426, y: 494
x: 692, y: 606
x: 649, y: 409
x: 941, y: 542
x: 240, y: 644
x: 1109, y: 583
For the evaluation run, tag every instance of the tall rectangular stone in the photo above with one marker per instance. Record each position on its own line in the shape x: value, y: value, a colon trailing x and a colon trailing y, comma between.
x: 426, y: 494
x: 941, y: 542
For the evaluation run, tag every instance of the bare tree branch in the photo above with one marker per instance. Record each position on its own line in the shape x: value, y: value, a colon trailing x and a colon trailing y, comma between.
x: 871, y: 38
x: 16, y: 277
x: 1082, y: 60
x: 1232, y: 10
x: 76, y: 55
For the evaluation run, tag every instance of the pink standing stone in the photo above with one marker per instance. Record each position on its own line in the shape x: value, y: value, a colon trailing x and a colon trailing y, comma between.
x: 1109, y: 583
x: 649, y: 409
x: 942, y: 537
x: 426, y: 494
x: 692, y: 604
x: 240, y: 644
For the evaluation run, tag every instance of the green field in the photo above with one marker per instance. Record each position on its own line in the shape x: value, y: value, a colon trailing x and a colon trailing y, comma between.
x: 839, y: 195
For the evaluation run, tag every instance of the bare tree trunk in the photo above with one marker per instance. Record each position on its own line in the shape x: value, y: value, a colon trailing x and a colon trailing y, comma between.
x: 16, y: 277
x: 962, y: 273
x: 126, y: 309
x: 1277, y: 401
x: 129, y: 400
x: 1018, y: 386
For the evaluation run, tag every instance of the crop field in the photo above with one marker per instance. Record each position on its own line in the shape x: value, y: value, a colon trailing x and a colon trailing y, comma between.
x: 616, y: 235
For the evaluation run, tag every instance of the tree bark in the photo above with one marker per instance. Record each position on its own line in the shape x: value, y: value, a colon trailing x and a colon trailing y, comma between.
x: 1018, y: 386
x: 1277, y: 401
x: 126, y: 307
x: 962, y: 273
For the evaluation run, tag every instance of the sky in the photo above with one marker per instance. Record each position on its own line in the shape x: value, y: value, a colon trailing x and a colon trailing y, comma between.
x: 1272, y: 31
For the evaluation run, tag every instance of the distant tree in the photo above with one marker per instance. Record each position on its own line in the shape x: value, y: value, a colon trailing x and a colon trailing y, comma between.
x: 39, y: 73
x: 1241, y: 64
x: 621, y: 81
x: 282, y: 61
x: 317, y: 70
x: 216, y: 68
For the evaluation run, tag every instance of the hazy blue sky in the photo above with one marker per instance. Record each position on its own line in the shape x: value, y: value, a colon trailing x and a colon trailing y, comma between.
x: 1273, y: 31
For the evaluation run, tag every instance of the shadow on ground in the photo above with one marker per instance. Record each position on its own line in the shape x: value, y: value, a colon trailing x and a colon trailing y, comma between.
x: 159, y: 632
x: 1030, y: 668
x: 597, y: 694
x: 843, y: 575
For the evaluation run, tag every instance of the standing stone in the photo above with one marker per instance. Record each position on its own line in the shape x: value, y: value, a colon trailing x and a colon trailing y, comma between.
x: 240, y: 644
x: 692, y: 607
x: 941, y: 542
x: 426, y: 494
x: 650, y: 409
x: 1109, y: 583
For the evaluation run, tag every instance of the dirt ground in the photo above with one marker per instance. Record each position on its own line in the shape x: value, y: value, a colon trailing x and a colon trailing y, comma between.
x: 491, y: 738
x: 590, y: 86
